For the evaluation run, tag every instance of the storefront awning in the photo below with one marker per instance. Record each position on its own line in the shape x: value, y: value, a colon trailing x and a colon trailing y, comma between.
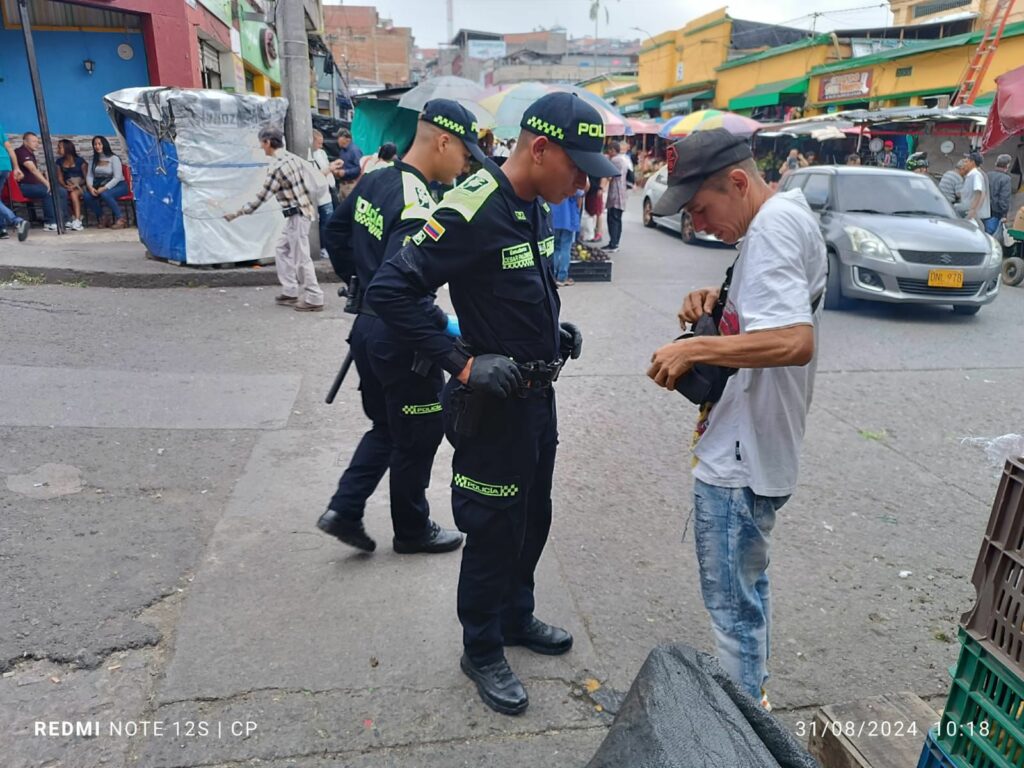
x: 768, y: 94
x: 640, y: 106
x: 683, y: 102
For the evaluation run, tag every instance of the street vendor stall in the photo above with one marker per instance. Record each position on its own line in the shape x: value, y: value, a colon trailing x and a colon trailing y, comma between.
x: 194, y: 156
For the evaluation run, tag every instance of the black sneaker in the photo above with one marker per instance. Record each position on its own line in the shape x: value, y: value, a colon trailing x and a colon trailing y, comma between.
x: 541, y: 638
x: 497, y: 685
x: 353, y: 534
x: 434, y: 541
x: 22, y: 227
x: 3, y: 233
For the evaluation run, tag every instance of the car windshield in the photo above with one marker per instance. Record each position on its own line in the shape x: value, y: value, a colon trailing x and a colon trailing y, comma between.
x: 890, y: 194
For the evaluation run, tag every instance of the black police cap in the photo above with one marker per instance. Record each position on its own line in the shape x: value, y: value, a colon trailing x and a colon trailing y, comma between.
x: 692, y: 160
x: 454, y: 118
x: 575, y: 126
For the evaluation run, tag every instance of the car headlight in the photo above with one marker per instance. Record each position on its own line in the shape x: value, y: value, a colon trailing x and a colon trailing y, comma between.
x: 868, y: 244
x: 996, y: 255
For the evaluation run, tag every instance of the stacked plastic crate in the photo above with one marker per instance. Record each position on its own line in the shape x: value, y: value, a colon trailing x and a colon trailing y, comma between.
x: 982, y: 725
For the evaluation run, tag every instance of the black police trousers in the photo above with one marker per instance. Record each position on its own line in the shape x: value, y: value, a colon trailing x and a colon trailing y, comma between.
x: 501, y: 500
x: 407, y: 428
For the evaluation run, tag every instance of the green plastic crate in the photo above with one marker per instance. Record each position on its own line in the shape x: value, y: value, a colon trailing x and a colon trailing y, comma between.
x: 982, y: 725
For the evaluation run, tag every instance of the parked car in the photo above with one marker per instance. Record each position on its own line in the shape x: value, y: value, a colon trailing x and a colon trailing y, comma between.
x: 893, y: 237
x: 679, y: 222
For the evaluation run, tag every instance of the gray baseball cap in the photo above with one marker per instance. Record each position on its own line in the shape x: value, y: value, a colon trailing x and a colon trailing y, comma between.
x: 694, y: 159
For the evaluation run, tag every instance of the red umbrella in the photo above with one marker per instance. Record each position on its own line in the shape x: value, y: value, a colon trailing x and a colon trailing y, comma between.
x: 1006, y: 117
x: 643, y: 127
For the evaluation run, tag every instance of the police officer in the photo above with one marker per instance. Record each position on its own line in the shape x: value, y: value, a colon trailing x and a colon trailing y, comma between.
x: 404, y: 405
x: 491, y: 240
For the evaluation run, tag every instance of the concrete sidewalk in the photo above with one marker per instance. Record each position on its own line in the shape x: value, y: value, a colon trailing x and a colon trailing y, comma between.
x: 116, y: 259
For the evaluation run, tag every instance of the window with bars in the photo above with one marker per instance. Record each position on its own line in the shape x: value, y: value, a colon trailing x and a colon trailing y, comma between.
x: 937, y: 6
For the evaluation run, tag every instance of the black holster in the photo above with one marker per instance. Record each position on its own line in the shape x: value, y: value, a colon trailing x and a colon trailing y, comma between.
x: 467, y: 410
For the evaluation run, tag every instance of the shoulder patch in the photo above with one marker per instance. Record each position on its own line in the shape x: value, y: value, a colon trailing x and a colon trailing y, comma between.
x: 432, y: 229
x: 417, y: 203
x: 470, y: 195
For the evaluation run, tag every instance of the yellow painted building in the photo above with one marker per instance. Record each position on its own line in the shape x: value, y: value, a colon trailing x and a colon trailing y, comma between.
x: 924, y: 11
x: 767, y: 78
x: 916, y: 74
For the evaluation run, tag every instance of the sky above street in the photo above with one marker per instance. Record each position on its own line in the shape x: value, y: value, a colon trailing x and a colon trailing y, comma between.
x: 428, y: 17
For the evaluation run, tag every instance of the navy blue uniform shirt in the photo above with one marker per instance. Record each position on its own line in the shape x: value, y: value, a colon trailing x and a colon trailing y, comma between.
x: 494, y: 251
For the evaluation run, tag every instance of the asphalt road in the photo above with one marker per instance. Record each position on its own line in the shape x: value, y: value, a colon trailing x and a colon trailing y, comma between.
x: 165, y: 454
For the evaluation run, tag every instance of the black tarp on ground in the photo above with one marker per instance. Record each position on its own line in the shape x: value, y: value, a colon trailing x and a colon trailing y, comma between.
x: 684, y: 711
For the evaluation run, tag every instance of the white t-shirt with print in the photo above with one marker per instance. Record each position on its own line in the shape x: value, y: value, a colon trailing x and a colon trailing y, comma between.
x: 975, y: 181
x: 754, y: 432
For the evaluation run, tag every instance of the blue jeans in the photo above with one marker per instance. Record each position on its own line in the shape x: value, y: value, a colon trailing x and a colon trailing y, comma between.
x: 42, y: 194
x: 325, y: 212
x: 7, y: 216
x: 732, y: 528
x: 564, y: 238
x: 108, y: 196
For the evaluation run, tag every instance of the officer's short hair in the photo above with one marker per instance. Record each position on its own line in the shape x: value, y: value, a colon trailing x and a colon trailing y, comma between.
x: 272, y: 135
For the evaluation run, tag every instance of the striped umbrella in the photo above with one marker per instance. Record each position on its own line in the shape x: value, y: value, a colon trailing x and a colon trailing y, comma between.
x: 508, y: 107
x: 706, y: 120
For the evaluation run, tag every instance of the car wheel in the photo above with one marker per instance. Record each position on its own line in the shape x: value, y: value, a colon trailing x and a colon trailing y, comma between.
x: 648, y: 213
x: 686, y: 229
x: 965, y: 309
x: 834, y: 298
x: 1013, y: 270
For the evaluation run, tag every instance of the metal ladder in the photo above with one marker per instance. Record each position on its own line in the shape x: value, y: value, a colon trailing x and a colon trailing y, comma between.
x: 970, y: 83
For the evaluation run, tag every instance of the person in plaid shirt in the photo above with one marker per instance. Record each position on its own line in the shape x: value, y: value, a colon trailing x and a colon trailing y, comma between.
x: 286, y: 180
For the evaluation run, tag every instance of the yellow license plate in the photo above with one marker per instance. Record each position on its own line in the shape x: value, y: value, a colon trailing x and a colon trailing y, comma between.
x: 945, y: 278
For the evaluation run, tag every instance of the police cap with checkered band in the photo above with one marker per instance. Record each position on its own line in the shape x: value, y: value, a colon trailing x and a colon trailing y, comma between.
x: 694, y: 159
x: 575, y: 126
x: 454, y: 118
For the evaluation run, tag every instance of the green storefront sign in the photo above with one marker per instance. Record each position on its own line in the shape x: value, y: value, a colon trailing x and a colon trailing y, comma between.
x: 260, y: 49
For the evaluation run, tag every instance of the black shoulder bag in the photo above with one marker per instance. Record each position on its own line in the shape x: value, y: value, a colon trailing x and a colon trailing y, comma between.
x: 705, y: 383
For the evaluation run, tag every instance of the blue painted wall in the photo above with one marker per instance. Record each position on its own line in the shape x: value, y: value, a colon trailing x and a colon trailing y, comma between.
x: 74, y: 99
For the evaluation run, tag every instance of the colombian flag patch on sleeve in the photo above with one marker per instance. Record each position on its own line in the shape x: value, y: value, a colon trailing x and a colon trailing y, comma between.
x: 433, y: 229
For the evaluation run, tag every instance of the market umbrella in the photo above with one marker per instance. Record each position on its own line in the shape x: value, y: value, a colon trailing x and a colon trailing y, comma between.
x: 642, y: 127
x: 1006, y: 117
x: 459, y: 89
x: 509, y: 105
x: 706, y: 120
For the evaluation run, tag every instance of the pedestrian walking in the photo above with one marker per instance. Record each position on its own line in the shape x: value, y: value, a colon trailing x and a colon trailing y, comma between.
x: 565, y: 220
x: 1000, y: 187
x: 326, y: 191
x: 401, y: 394
x: 747, y: 444
x: 952, y: 182
x: 491, y: 241
x: 287, y: 179
x: 974, y: 197
x: 617, y: 196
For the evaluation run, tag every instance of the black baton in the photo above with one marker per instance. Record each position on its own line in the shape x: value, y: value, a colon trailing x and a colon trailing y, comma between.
x: 342, y: 372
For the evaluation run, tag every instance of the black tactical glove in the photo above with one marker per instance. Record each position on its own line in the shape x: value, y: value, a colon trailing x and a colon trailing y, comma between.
x: 496, y: 375
x: 571, y: 341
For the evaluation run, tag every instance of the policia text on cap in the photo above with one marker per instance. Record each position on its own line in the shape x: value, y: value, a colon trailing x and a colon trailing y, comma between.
x: 490, y: 239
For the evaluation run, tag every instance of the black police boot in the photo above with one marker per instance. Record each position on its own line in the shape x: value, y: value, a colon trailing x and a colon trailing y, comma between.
x: 353, y: 534
x: 541, y: 638
x: 497, y: 685
x: 434, y: 541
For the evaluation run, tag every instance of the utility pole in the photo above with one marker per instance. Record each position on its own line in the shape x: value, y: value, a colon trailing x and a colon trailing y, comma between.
x: 44, y: 124
x: 298, y: 122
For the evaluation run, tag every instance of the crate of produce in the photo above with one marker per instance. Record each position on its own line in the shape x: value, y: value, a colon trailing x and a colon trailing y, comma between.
x: 998, y: 614
x: 932, y: 755
x: 590, y: 271
x: 982, y: 725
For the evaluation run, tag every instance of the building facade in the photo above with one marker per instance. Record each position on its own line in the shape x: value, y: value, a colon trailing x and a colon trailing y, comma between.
x: 367, y: 48
x: 906, y: 12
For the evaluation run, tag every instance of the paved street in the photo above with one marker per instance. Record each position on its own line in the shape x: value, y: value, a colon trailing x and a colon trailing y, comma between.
x: 166, y: 452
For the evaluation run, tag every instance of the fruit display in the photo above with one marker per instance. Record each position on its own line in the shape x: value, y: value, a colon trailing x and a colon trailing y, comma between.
x: 581, y: 252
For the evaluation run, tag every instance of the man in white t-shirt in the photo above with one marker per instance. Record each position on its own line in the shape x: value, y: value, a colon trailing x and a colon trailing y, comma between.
x: 746, y: 445
x: 974, y: 196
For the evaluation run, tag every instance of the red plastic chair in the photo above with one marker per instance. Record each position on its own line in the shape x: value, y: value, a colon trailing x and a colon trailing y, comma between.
x: 12, y: 196
x: 128, y: 200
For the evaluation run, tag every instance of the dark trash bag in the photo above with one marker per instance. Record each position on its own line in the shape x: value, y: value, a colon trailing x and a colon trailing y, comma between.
x: 684, y: 711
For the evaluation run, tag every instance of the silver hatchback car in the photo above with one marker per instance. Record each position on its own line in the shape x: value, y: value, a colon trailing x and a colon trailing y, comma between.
x: 893, y: 237
x: 679, y: 222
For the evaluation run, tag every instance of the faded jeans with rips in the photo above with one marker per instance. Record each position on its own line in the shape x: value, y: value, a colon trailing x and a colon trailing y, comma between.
x: 733, y: 528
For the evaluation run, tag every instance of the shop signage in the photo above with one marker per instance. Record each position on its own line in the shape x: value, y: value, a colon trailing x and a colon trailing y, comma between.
x: 268, y: 47
x: 848, y: 85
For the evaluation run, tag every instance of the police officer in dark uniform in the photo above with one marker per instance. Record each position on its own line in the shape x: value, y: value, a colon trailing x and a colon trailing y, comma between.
x: 400, y: 391
x: 491, y: 240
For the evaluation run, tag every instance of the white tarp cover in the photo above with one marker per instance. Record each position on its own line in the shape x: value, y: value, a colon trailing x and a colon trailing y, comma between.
x: 220, y: 164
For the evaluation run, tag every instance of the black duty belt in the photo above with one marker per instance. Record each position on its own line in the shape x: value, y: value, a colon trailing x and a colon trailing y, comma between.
x: 539, y: 374
x: 289, y: 212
